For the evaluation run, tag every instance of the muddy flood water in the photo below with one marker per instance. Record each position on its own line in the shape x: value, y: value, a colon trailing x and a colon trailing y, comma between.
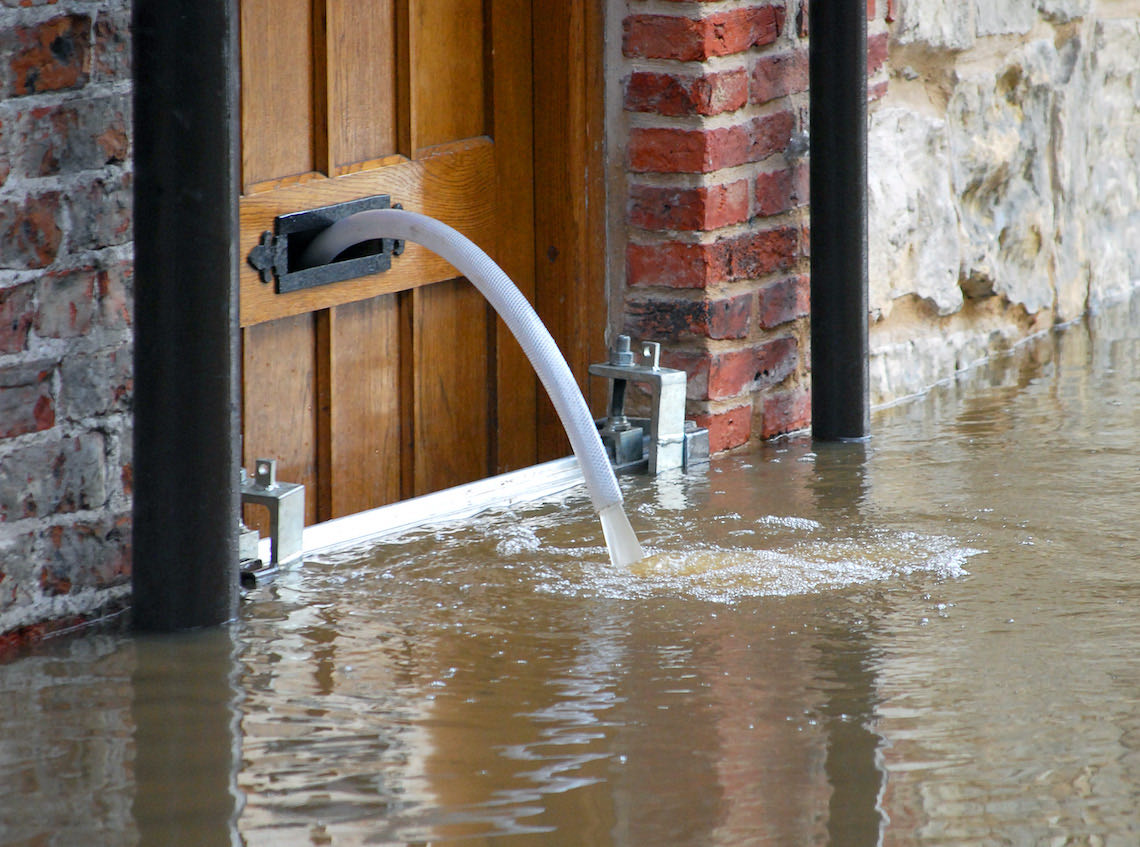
x: 931, y: 638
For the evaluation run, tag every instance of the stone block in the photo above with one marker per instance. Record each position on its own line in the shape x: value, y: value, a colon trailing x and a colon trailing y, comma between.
x: 936, y: 24
x: 1001, y: 130
x: 1063, y: 11
x: 913, y: 221
x: 1004, y: 17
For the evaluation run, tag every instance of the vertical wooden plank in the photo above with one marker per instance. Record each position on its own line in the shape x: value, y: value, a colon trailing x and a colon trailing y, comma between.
x: 323, y: 329
x: 512, y: 115
x: 365, y: 370
x: 407, y: 308
x: 569, y: 227
x: 277, y: 112
x: 362, y: 80
x: 448, y: 81
x: 453, y: 393
x: 278, y: 394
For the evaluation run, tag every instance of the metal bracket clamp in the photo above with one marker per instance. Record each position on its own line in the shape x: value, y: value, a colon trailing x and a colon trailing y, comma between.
x: 667, y: 418
x: 286, y: 504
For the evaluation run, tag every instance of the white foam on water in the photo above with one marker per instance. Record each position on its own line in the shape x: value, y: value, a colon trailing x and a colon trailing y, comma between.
x: 722, y: 574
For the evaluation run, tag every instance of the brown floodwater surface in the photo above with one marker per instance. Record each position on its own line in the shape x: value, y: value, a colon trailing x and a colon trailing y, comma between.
x: 930, y: 638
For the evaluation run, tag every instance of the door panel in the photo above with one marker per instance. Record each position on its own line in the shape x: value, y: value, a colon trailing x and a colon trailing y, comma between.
x: 361, y: 82
x: 363, y: 406
x: 405, y: 382
x: 277, y: 87
x: 279, y: 393
x: 447, y: 71
x: 451, y: 386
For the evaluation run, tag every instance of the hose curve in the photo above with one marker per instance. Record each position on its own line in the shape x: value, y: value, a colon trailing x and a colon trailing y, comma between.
x: 512, y: 307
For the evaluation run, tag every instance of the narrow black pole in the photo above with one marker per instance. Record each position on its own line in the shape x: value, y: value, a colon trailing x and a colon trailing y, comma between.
x: 185, y: 572
x: 838, y: 63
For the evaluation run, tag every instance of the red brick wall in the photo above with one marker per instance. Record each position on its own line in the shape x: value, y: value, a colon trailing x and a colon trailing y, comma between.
x: 65, y: 308
x: 715, y: 102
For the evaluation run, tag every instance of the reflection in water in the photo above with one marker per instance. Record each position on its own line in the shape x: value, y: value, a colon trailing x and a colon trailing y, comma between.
x: 187, y: 748
x: 924, y: 639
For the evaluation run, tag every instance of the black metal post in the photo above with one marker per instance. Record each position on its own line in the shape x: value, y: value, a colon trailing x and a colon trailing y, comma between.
x: 186, y: 463
x: 838, y: 70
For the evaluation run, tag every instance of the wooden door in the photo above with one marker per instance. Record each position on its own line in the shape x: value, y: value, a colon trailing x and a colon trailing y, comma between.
x: 402, y: 383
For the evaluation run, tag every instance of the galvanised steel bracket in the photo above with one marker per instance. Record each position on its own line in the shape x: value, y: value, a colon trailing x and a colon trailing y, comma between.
x: 286, y: 504
x: 672, y: 444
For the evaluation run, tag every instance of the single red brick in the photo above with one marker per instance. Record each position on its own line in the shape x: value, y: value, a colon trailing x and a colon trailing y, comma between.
x: 890, y: 16
x: 870, y: 10
x: 662, y: 94
x: 50, y: 56
x: 696, y: 366
x: 676, y: 95
x: 67, y: 303
x: 31, y: 231
x: 662, y: 36
x: 674, y: 265
x: 696, y: 39
x: 26, y: 402
x: 785, y: 412
x: 670, y: 319
x: 778, y: 76
x: 730, y: 317
x: 757, y: 254
x: 725, y: 91
x: 780, y: 191
x: 731, y: 373
x: 727, y: 429
x: 775, y: 361
x: 115, y: 295
x: 878, y: 46
x: 113, y: 46
x: 17, y: 311
x: 877, y: 91
x: 101, y: 213
x: 783, y: 301
x: 669, y: 150
x: 702, y: 208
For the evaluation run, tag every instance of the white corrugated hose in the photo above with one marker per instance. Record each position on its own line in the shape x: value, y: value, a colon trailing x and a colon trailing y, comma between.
x: 526, y: 326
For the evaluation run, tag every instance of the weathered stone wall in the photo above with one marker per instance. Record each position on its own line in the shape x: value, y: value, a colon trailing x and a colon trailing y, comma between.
x: 65, y: 309
x: 1004, y: 178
